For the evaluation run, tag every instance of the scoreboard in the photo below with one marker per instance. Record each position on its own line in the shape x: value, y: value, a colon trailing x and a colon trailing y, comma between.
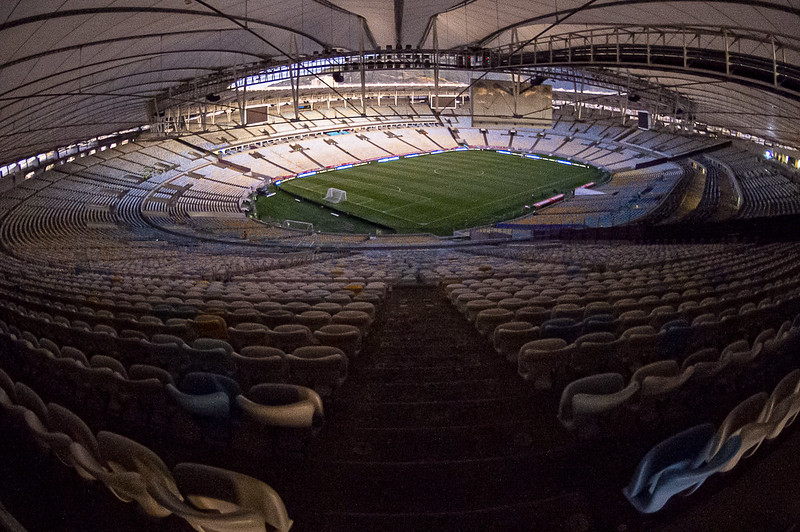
x: 493, y: 105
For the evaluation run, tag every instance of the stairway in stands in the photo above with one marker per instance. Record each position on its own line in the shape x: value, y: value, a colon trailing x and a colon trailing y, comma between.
x: 433, y: 431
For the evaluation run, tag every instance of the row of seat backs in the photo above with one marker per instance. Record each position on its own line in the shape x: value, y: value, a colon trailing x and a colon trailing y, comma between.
x: 681, y: 463
x: 208, y: 498
x: 487, y: 316
x: 253, y: 363
x: 203, y: 394
x: 540, y: 360
x: 586, y: 402
x: 201, y: 325
x: 576, y: 306
x: 91, y: 308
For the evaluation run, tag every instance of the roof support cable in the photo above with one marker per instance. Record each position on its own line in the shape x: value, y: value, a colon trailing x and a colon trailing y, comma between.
x: 523, y: 45
x: 272, y: 45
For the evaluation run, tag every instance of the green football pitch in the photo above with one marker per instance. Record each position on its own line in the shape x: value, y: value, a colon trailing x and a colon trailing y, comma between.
x: 440, y: 193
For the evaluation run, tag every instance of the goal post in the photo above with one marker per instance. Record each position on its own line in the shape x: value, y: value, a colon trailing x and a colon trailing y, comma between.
x: 297, y: 225
x: 335, y: 195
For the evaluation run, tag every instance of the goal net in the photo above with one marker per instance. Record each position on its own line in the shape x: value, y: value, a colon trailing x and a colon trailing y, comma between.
x: 298, y: 225
x: 335, y: 195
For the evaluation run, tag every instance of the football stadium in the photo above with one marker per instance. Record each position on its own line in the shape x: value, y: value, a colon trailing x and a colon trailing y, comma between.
x: 441, y: 192
x: 398, y: 265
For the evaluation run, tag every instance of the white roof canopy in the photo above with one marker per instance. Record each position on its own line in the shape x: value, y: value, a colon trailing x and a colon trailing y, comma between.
x: 74, y: 69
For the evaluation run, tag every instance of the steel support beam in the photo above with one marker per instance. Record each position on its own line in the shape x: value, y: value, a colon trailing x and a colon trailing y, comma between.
x: 362, y: 69
x: 436, y: 65
x: 727, y: 53
x: 774, y: 62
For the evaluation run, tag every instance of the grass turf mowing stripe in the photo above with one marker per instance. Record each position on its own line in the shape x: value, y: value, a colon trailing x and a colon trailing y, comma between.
x: 442, y: 192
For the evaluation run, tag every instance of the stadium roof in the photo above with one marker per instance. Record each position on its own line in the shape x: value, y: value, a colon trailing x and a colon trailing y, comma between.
x: 75, y: 69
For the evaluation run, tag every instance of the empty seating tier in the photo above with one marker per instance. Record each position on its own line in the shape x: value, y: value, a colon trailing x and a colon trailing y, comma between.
x: 399, y: 382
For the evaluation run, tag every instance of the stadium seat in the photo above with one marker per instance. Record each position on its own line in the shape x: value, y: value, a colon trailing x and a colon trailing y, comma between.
x: 242, y: 315
x: 102, y: 361
x: 127, y: 486
x: 314, y: 319
x: 258, y: 364
x: 345, y: 337
x: 145, y: 371
x: 210, y: 355
x: 661, y: 368
x: 747, y: 421
x: 535, y: 315
x: 289, y: 337
x: 246, y: 334
x: 590, y: 404
x: 276, y: 318
x: 8, y: 395
x: 282, y: 405
x: 142, y: 398
x: 512, y: 303
x: 225, y: 500
x: 476, y: 306
x: 330, y: 308
x: 353, y: 317
x: 144, y: 469
x: 673, y: 339
x: 638, y: 345
x: 783, y: 405
x: 593, y: 353
x: 319, y: 367
x: 633, y: 318
x: 462, y: 300
x: 599, y: 323
x: 565, y: 328
x: 75, y: 354
x: 28, y: 399
x: 509, y: 337
x: 47, y: 441
x: 205, y: 395
x: 541, y: 361
x: 362, y: 306
x: 567, y: 310
x: 597, y: 308
x: 63, y: 420
x: 487, y: 320
x: 296, y: 307
x: 339, y: 298
x: 678, y: 464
